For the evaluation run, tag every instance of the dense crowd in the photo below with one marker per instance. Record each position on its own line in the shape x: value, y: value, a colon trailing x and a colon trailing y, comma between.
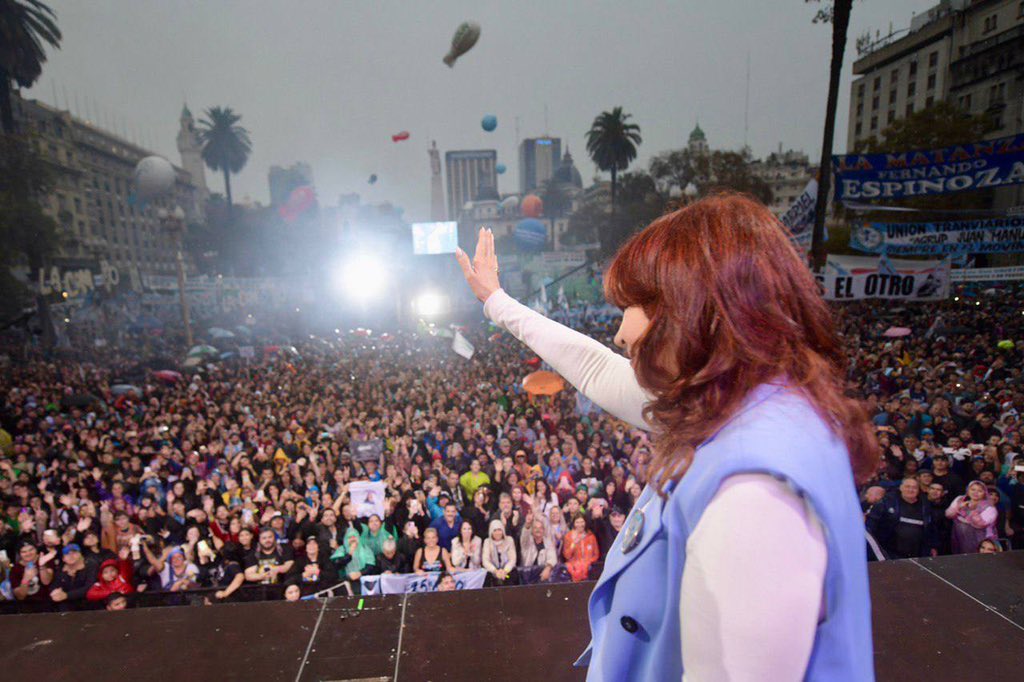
x: 237, y: 481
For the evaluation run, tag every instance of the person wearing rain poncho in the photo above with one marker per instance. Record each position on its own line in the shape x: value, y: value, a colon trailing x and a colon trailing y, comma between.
x: 354, y: 559
x: 374, y: 534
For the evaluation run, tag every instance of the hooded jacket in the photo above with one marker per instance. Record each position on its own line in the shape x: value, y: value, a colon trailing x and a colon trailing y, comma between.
x: 122, y: 583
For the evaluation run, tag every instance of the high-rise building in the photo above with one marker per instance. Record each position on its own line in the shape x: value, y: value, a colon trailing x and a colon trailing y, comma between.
x: 93, y: 199
x: 471, y: 175
x: 283, y: 181
x: 437, y: 212
x: 968, y: 52
x: 539, y: 158
x: 191, y: 151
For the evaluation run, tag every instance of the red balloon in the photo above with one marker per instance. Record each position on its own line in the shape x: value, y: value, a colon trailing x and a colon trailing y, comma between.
x: 533, y: 362
x: 399, y: 137
x: 299, y: 201
x: 532, y: 206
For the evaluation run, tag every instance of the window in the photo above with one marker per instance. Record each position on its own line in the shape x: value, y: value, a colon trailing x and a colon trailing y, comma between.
x: 894, y: 76
x: 965, y: 102
x: 891, y: 116
x: 998, y: 121
x: 860, y: 90
x: 930, y: 101
x: 878, y: 82
x: 892, y: 96
x: 913, y: 68
x: 931, y: 81
x: 991, y: 23
x: 874, y: 122
x: 933, y: 60
x: 911, y: 88
x: 1020, y: 10
x: 910, y: 109
x: 860, y: 108
x: 874, y: 102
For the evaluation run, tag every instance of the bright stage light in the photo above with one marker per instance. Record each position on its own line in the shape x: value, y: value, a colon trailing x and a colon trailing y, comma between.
x: 429, y: 304
x: 361, y: 278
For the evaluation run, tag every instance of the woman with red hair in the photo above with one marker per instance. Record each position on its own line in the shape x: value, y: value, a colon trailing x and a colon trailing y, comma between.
x: 744, y: 557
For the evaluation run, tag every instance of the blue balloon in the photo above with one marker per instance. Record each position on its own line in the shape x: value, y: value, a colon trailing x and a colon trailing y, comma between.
x: 500, y: 168
x: 489, y: 122
x: 373, y: 178
x: 531, y: 234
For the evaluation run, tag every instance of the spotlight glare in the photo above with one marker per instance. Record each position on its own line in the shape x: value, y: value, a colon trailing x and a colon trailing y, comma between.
x: 361, y: 278
x: 430, y: 304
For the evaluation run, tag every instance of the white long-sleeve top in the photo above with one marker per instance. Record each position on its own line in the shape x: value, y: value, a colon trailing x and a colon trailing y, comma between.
x: 753, y: 585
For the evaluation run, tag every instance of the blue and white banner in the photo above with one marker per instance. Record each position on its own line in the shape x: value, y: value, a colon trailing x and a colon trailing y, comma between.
x: 897, y: 175
x: 991, y: 235
x: 799, y: 217
x: 1012, y: 273
x: 400, y: 583
x: 852, y: 278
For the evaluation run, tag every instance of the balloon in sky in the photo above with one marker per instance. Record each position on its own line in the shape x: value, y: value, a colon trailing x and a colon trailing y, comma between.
x: 400, y: 137
x: 500, y: 169
x: 532, y: 206
x: 373, y: 178
x: 299, y: 201
x: 153, y: 176
x: 489, y: 122
x: 531, y: 234
x: 463, y: 41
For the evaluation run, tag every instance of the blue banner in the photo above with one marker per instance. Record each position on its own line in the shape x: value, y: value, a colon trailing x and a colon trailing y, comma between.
x: 954, y: 238
x: 897, y: 175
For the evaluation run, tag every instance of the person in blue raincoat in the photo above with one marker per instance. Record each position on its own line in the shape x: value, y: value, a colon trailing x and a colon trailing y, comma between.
x: 743, y: 558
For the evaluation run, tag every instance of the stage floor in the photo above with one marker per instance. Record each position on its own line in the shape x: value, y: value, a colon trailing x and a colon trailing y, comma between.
x: 950, y: 618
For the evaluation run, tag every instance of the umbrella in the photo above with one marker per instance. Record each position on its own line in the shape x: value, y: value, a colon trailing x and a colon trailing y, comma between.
x: 896, y: 332
x: 167, y: 376
x: 121, y: 389
x: 219, y: 333
x: 291, y: 349
x: 202, y: 349
x: 543, y: 383
x: 227, y: 355
x: 243, y: 330
x: 192, y: 361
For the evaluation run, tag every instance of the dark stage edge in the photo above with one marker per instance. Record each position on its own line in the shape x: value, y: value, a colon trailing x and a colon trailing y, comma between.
x: 950, y: 618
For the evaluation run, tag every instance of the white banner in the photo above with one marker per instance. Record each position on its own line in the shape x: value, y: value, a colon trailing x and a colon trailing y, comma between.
x: 399, y: 583
x: 1007, y: 274
x: 850, y: 278
x: 462, y: 346
x: 367, y: 498
x: 799, y: 217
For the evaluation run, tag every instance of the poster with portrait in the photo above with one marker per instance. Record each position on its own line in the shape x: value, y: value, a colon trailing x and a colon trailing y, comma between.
x: 367, y: 498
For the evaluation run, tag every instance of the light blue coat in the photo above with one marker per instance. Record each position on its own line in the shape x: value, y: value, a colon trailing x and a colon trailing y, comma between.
x: 634, y: 608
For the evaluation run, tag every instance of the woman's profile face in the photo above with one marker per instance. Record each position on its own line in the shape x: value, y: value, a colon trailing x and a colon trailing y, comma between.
x: 634, y: 324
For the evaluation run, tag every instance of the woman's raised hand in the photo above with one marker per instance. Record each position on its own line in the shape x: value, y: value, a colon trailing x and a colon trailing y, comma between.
x: 482, y: 272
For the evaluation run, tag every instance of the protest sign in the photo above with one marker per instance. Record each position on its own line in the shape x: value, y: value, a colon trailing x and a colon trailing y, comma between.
x: 400, y: 583
x: 849, y: 278
x: 990, y: 235
x: 367, y: 498
x: 366, y: 450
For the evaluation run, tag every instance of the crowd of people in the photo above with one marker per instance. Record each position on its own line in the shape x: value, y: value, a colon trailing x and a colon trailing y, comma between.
x: 233, y: 482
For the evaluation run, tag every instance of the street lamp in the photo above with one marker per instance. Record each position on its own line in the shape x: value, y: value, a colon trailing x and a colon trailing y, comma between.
x: 173, y: 222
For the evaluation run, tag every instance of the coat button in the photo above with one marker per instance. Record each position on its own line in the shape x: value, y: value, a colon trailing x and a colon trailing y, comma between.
x: 629, y: 624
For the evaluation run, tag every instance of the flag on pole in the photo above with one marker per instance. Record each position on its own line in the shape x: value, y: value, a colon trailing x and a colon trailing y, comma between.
x: 462, y: 346
x: 563, y: 302
x: 544, y: 295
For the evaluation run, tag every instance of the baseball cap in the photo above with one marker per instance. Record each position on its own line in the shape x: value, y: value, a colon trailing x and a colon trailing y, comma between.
x: 927, y: 432
x: 73, y: 547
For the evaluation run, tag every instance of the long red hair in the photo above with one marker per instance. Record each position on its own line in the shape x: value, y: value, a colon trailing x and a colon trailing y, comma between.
x: 732, y: 306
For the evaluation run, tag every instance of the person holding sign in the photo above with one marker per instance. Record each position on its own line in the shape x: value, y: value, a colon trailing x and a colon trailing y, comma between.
x: 743, y: 558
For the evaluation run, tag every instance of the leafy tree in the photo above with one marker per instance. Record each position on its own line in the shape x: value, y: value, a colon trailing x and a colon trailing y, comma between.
x: 674, y: 170
x: 557, y: 201
x: 611, y: 142
x: 226, y: 145
x: 25, y: 25
x: 640, y: 202
x: 25, y: 230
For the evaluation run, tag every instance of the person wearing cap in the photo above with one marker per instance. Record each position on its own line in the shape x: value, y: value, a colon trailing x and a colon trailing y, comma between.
x: 74, y: 578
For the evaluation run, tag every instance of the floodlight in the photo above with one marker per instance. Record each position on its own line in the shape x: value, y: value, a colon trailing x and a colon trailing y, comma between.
x: 429, y: 304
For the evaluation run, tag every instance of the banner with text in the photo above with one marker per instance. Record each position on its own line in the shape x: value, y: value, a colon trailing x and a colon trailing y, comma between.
x: 799, y: 217
x: 850, y: 278
x: 960, y: 168
x: 1013, y: 273
x: 399, y: 583
x: 991, y: 235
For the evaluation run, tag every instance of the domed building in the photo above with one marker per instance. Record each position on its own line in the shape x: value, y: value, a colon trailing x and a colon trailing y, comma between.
x: 698, y: 144
x: 567, y: 173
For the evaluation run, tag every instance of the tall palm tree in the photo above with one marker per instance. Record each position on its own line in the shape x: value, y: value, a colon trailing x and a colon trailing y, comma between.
x: 612, y: 143
x: 25, y: 25
x: 226, y: 145
x: 839, y: 15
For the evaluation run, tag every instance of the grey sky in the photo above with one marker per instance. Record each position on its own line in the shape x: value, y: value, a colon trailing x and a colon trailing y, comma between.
x: 328, y: 82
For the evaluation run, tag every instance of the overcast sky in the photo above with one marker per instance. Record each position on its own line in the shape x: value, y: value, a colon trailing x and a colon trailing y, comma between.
x: 329, y: 81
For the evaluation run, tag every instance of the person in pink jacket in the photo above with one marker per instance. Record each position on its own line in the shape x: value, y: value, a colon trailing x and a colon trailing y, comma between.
x: 974, y: 519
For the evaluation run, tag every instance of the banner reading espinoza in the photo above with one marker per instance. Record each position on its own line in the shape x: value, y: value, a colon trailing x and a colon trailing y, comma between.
x: 851, y: 278
x: 991, y: 235
x: 398, y: 583
x: 896, y: 175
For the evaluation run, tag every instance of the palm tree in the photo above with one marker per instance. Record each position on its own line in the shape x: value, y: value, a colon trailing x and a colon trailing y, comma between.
x: 24, y: 26
x: 226, y: 145
x: 612, y: 143
x: 839, y: 15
